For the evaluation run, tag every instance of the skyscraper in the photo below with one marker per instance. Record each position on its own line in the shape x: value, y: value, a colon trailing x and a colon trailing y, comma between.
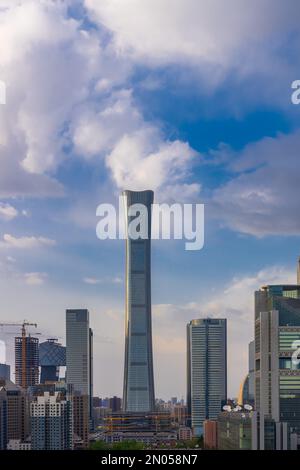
x: 78, y: 350
x: 79, y: 368
x: 26, y: 361
x: 277, y: 338
x: 206, y: 370
x: 138, y: 391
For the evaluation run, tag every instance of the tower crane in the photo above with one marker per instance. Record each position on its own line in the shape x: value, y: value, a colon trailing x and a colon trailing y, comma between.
x: 23, y: 334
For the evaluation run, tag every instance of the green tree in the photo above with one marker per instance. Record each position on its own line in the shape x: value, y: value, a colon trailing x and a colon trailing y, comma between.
x: 128, y: 445
x: 98, y: 445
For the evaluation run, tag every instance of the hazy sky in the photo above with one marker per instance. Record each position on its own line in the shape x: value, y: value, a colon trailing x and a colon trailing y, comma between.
x: 190, y: 98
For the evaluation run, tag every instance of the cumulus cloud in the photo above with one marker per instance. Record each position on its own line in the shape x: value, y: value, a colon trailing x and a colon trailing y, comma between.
x: 238, y: 38
x: 7, y: 212
x: 97, y: 131
x: 9, y: 241
x: 67, y: 91
x: 263, y: 196
x: 50, y: 65
x: 144, y: 160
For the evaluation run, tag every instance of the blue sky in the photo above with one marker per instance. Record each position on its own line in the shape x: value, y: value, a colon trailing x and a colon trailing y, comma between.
x: 177, y: 96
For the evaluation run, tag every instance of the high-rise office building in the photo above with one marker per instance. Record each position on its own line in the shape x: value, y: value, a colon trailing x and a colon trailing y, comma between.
x: 51, y: 422
x: 78, y: 350
x: 206, y: 370
x: 277, y: 338
x: 52, y: 356
x: 26, y: 361
x: 138, y: 391
x: 79, y: 368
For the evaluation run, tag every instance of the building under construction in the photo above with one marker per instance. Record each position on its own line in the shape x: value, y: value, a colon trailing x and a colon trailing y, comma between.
x: 26, y: 359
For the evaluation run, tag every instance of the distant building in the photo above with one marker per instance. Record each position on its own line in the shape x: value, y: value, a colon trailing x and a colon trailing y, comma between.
x: 138, y: 389
x: 97, y: 402
x: 4, y: 371
x: 206, y: 370
x: 52, y: 356
x: 179, y: 414
x: 26, y: 361
x: 136, y: 423
x: 17, y: 444
x: 115, y: 404
x: 184, y: 433
x: 51, y: 422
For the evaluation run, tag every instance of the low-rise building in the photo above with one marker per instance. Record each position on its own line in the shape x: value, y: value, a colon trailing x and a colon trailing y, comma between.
x: 210, y: 428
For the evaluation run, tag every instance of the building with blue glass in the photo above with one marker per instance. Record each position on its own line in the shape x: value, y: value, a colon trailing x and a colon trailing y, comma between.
x: 52, y: 356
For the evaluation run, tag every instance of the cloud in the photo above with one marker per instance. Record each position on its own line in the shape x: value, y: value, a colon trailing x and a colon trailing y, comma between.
x: 96, y: 131
x: 92, y: 280
x: 7, y: 212
x: 263, y: 196
x: 51, y: 66
x: 95, y: 281
x: 144, y: 160
x: 9, y: 241
x: 239, y: 40
x: 35, y: 279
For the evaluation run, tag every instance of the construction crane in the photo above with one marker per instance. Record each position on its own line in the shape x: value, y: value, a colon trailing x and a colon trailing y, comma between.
x: 23, y: 351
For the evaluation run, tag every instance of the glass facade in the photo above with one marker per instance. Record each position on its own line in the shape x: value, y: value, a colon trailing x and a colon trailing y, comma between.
x: 284, y: 376
x: 206, y: 370
x: 138, y: 391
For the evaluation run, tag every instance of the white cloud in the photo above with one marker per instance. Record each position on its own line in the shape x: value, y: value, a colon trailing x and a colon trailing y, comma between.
x: 9, y: 241
x: 35, y: 279
x: 92, y: 280
x: 7, y: 212
x: 96, y: 281
x: 144, y: 160
x: 236, y: 37
x: 97, y: 131
x: 50, y: 66
x: 263, y: 198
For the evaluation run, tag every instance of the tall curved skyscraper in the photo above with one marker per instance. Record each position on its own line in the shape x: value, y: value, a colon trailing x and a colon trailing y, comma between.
x: 138, y: 392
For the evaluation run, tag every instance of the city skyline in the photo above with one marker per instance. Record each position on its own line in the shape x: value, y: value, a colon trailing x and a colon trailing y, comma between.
x: 179, y: 97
